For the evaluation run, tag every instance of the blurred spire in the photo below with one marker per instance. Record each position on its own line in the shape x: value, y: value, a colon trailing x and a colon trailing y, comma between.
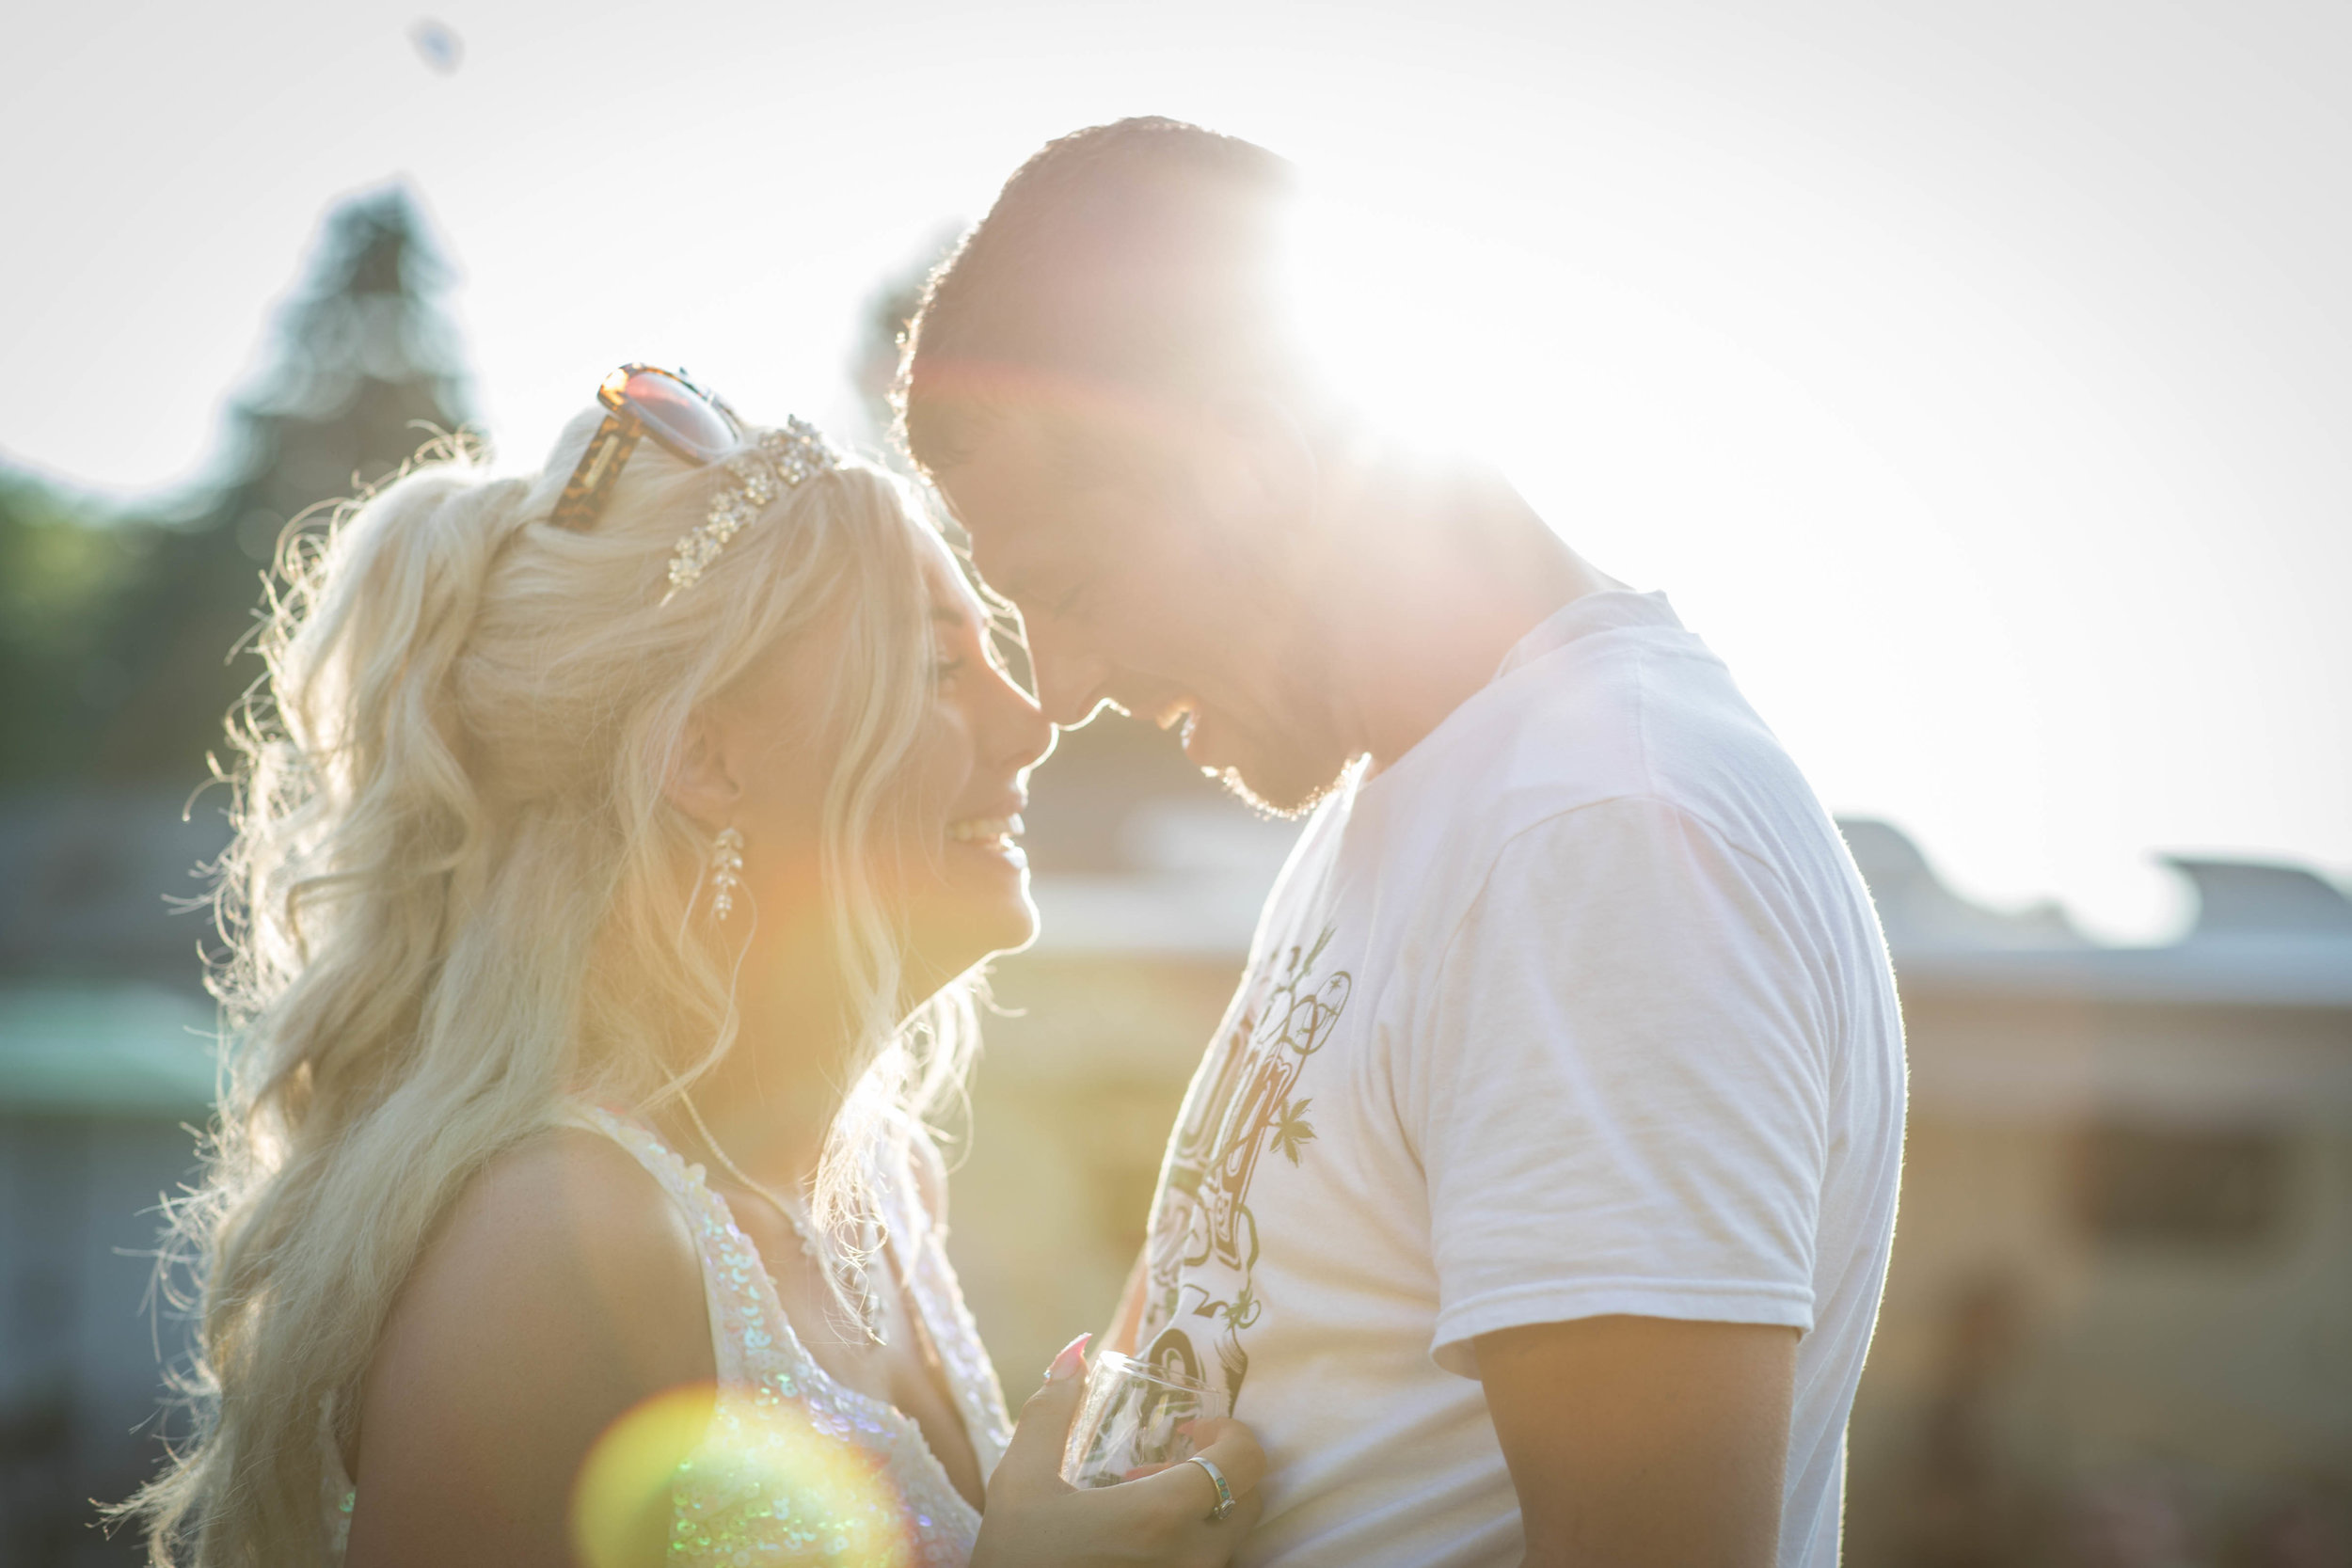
x: 365, y: 365
x: 364, y: 353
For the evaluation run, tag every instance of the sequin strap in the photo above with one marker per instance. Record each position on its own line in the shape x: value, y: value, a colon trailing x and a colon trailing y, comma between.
x: 724, y: 1290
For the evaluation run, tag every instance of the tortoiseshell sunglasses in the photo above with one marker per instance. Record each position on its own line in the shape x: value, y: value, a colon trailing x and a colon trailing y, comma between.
x: 688, y: 422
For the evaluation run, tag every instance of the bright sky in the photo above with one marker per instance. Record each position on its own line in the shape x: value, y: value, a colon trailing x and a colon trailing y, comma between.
x: 1973, y: 377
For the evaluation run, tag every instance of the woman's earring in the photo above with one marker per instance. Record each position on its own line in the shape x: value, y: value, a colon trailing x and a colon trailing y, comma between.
x: 727, y: 871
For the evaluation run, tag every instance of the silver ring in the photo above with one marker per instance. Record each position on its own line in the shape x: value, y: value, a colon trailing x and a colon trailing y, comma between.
x: 1224, y: 1494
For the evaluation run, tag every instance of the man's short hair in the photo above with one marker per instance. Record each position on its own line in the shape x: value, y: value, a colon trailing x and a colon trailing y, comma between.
x: 1139, y: 259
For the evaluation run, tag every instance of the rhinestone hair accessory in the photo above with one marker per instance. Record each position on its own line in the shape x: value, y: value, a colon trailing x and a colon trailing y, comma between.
x: 779, y: 460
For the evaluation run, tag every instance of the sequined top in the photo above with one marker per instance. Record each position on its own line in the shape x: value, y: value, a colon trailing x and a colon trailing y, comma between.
x: 794, y: 1467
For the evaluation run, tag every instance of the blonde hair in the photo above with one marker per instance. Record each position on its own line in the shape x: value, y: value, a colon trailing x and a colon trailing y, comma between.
x: 459, y: 895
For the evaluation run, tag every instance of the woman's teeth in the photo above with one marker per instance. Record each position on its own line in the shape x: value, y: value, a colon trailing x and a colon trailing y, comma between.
x: 984, y: 829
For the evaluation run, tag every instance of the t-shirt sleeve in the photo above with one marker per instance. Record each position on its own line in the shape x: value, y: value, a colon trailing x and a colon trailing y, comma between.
x: 1623, y: 1084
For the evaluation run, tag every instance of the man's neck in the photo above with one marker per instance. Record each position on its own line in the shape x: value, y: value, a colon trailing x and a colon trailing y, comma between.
x: 1445, y: 575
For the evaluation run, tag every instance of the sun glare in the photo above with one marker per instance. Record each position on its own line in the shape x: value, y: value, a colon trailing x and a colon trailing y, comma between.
x: 1396, y: 314
x: 1675, y: 450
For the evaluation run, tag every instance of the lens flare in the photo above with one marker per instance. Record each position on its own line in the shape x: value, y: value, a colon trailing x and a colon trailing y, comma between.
x: 698, y: 1472
x: 1410, y: 323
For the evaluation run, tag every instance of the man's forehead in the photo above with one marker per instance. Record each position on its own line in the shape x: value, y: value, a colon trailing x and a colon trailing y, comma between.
x: 952, y: 599
x: 1020, y: 520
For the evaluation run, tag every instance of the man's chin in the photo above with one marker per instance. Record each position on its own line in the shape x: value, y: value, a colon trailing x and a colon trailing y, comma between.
x: 1281, y: 781
x: 1279, y: 791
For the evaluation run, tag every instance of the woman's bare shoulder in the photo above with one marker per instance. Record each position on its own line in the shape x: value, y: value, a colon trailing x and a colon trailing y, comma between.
x: 561, y: 1287
x: 564, y: 1242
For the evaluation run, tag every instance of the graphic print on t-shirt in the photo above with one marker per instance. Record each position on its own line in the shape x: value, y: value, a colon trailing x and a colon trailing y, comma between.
x: 1242, y: 1108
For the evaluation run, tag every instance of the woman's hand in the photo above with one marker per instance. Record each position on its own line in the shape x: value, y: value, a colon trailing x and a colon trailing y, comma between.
x: 1035, y: 1519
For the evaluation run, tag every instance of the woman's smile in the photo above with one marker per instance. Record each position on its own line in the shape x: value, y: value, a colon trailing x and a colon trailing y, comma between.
x: 992, y: 835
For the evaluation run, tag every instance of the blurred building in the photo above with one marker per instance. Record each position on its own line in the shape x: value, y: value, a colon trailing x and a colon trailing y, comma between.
x: 106, y: 1069
x: 98, y: 1088
x: 2119, y: 1322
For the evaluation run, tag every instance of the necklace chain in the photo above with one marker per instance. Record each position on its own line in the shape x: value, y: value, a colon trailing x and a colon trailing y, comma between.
x: 796, y: 1215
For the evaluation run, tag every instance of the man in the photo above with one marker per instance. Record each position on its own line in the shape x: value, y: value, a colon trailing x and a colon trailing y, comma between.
x: 1534, y: 1201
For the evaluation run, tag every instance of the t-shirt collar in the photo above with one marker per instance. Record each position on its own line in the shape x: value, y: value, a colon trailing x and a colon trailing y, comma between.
x: 1604, y: 610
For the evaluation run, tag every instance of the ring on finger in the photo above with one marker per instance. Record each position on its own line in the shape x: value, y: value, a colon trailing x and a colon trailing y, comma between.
x: 1224, y: 1492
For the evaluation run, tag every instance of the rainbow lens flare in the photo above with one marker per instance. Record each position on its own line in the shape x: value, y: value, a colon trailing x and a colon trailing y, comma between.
x: 698, y: 1474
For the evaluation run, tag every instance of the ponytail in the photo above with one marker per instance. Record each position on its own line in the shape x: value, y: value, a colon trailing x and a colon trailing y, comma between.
x: 369, y: 783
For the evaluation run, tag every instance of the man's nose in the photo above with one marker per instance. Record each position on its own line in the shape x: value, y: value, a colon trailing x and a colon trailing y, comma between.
x: 1071, y: 679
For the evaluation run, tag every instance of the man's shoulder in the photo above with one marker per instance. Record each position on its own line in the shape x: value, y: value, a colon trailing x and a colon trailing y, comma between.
x: 1638, y: 712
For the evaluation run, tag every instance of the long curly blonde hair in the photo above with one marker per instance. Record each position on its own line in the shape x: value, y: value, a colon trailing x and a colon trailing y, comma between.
x: 458, y: 896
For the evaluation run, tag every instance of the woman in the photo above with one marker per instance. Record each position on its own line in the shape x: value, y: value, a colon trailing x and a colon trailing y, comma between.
x: 616, y: 848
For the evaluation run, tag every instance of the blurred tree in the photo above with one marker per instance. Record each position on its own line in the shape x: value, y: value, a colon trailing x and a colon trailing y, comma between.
x: 888, y: 309
x: 127, y: 664
x: 64, y: 561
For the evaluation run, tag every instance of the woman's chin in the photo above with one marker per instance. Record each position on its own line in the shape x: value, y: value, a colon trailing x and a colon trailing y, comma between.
x: 947, y: 947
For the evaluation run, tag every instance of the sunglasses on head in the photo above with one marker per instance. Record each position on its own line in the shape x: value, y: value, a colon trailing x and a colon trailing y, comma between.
x: 691, y: 424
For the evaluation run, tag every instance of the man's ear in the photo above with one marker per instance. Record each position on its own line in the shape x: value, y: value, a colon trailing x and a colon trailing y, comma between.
x: 703, y: 784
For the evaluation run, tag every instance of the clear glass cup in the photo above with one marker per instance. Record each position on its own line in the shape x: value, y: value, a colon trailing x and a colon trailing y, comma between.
x: 1129, y: 1417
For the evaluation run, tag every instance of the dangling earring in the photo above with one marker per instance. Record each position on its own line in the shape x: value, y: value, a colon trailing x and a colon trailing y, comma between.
x: 727, y: 871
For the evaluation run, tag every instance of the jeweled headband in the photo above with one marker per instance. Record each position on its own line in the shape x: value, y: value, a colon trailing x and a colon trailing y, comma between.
x: 696, y: 427
x: 779, y: 460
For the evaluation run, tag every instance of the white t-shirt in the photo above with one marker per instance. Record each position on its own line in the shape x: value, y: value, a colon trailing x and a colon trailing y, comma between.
x: 1578, y: 1007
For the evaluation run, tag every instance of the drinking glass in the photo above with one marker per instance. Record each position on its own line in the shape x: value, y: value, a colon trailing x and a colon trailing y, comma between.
x: 1129, y: 1417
